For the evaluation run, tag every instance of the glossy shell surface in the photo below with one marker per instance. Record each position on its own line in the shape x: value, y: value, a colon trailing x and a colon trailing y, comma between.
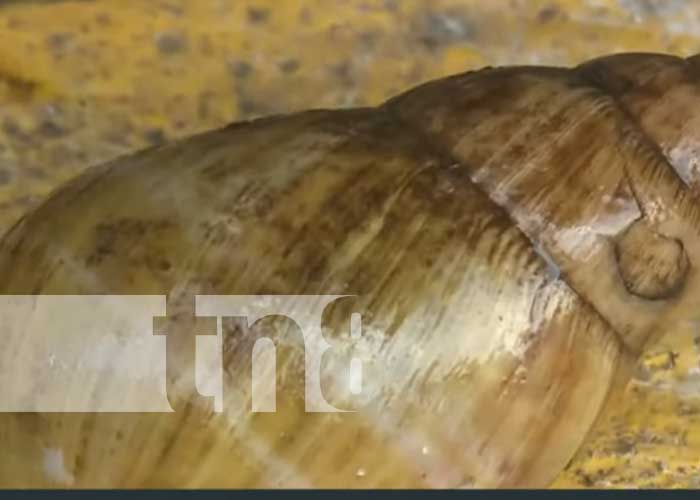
x: 513, y: 237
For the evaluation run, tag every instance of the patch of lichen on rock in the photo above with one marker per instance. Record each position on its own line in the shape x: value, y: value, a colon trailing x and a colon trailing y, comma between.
x: 85, y: 81
x: 651, y: 438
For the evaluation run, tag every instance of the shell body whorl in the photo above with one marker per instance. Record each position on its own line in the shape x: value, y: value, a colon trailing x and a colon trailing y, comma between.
x: 513, y: 237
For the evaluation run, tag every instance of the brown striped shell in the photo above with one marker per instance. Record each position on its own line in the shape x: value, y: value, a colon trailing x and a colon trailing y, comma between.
x: 514, y: 238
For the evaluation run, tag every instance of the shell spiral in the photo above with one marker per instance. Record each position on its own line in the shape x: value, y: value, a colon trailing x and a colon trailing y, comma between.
x: 512, y: 237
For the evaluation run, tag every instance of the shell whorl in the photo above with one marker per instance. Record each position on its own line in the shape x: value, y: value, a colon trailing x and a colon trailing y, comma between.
x: 514, y: 237
x: 598, y: 165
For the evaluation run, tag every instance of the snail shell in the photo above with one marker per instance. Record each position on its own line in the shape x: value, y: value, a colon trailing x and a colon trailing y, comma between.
x: 513, y: 239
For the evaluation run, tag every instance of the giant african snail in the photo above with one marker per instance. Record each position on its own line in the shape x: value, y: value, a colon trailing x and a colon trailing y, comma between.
x: 515, y: 237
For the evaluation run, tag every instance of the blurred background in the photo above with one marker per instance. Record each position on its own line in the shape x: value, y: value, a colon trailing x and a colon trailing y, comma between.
x: 84, y: 81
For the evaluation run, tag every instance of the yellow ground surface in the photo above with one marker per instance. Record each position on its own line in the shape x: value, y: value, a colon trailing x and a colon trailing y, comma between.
x: 84, y: 81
